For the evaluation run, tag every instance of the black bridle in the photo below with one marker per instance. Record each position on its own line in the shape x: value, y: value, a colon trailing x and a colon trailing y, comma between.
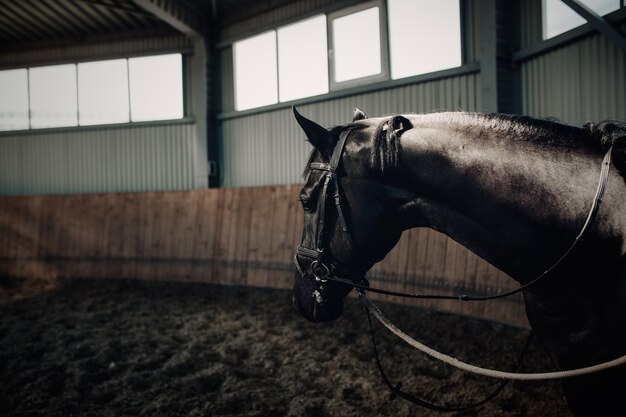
x: 323, y: 271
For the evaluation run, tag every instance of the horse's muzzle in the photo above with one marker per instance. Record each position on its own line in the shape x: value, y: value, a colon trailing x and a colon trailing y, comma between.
x: 314, y: 305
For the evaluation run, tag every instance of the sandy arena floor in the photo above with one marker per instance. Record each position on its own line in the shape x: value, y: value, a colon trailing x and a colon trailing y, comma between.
x: 136, y: 348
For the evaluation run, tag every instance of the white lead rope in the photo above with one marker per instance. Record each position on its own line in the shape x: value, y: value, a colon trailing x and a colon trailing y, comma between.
x: 541, y: 376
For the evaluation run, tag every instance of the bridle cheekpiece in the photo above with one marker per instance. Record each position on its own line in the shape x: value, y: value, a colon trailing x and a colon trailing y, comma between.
x: 322, y: 271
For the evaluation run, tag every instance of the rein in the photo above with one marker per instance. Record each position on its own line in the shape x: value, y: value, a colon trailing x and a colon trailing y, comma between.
x: 323, y: 273
x: 490, y: 373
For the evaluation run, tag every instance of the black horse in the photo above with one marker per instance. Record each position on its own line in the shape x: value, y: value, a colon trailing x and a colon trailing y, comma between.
x: 514, y: 190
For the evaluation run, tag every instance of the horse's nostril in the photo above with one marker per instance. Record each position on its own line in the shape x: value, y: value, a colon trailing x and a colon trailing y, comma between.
x: 294, y: 300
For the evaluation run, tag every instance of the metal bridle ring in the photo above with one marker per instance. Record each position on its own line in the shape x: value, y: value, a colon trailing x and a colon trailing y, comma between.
x: 315, y: 265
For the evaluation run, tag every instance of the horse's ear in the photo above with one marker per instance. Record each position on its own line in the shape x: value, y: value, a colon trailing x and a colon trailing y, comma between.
x: 319, y: 137
x: 358, y: 115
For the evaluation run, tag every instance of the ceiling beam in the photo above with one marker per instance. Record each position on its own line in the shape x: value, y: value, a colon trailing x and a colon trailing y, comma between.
x: 175, y: 15
x: 598, y: 22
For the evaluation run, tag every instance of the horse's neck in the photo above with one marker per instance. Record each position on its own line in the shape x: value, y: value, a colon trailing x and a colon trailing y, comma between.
x: 496, y: 189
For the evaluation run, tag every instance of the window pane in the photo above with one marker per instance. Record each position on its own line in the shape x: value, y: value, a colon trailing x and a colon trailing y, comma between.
x: 156, y: 87
x: 424, y: 36
x: 103, y: 92
x: 53, y: 96
x: 302, y: 59
x: 356, y: 45
x: 256, y: 82
x: 13, y: 99
x: 559, y: 18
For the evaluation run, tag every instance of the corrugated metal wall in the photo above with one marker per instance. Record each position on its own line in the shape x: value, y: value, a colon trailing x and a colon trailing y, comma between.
x: 584, y: 81
x: 269, y: 148
x: 133, y: 157
x: 113, y: 159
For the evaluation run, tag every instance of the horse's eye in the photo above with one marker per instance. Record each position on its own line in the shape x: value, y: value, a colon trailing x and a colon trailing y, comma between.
x: 307, y: 205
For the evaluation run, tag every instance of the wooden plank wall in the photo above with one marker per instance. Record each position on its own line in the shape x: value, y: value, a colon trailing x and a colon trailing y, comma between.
x: 243, y: 236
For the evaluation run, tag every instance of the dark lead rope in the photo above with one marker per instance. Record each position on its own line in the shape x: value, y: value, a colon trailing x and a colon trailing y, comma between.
x: 397, y: 392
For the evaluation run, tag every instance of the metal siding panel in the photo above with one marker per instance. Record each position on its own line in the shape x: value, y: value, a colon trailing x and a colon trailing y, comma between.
x: 580, y: 82
x: 270, y: 149
x: 10, y: 165
x: 137, y: 158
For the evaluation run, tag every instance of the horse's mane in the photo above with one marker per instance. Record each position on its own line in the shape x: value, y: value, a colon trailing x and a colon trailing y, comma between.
x: 544, y: 132
x: 550, y: 132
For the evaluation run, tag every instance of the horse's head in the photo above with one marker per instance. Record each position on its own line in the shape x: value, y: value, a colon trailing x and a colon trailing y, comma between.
x: 348, y: 209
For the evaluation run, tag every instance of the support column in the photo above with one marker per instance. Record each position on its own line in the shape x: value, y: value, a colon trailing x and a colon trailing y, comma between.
x: 488, y: 56
x: 198, y: 92
x: 194, y: 25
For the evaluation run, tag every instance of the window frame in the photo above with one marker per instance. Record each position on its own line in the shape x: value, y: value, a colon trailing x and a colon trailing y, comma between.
x: 346, y: 88
x: 26, y: 95
x: 78, y: 77
x: 384, y: 47
x: 544, y: 19
x: 130, y: 86
x: 185, y: 84
x: 32, y: 98
x: 278, y: 54
x: 462, y: 49
x: 275, y: 44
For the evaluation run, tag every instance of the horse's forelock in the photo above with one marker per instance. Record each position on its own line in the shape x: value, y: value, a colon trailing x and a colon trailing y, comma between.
x: 386, y: 149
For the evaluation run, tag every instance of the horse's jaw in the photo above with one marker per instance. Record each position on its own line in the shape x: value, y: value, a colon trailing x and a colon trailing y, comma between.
x: 314, y: 305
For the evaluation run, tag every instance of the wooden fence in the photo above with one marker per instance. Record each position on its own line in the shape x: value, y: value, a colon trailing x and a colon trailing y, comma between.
x: 243, y: 236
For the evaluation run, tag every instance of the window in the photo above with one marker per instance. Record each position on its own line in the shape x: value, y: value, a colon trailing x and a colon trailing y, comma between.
x: 156, y: 87
x: 103, y: 92
x: 256, y: 82
x: 285, y: 64
x: 424, y: 36
x: 347, y: 48
x: 302, y: 59
x: 559, y: 18
x: 53, y: 96
x: 14, y: 99
x: 92, y: 93
x: 356, y: 49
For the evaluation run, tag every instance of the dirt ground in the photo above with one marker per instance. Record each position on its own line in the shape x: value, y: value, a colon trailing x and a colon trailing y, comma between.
x: 137, y: 348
